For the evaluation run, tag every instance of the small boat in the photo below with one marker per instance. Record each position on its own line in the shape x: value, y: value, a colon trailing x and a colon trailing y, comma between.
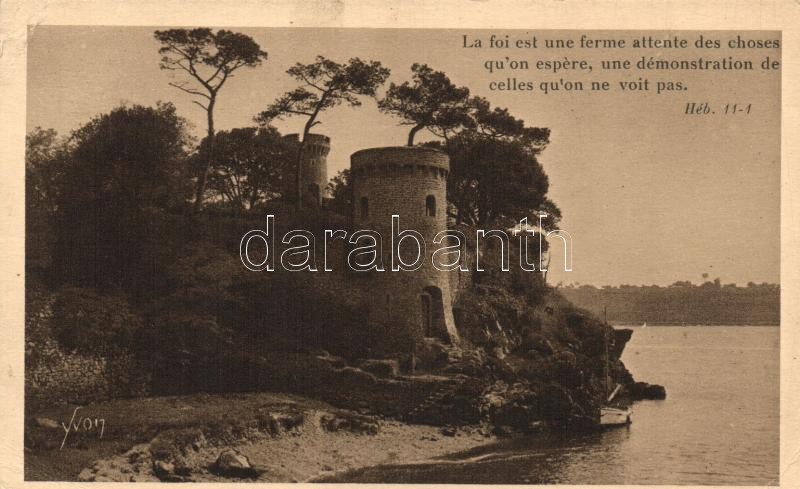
x: 613, y: 415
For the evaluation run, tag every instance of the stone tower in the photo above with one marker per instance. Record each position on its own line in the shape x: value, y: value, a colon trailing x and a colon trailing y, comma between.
x: 412, y: 183
x: 315, y: 166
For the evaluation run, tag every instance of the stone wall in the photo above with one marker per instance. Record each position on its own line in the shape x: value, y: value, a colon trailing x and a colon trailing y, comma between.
x: 54, y: 376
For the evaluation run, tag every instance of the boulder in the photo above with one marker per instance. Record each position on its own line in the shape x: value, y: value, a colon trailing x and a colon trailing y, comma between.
x: 469, y: 362
x: 408, y: 363
x: 86, y: 475
x: 534, y: 354
x: 643, y: 390
x: 511, y: 406
x: 381, y: 368
x: 498, y: 352
x: 517, y: 415
x: 354, y: 423
x: 46, y: 423
x: 175, y: 452
x: 231, y: 463
x: 290, y: 419
x: 280, y: 421
x: 621, y: 338
x: 502, y: 431
x: 431, y: 354
x: 174, y: 445
x: 332, y: 360
x: 351, y: 376
x: 536, y: 341
x: 566, y: 358
x: 165, y: 471
x: 555, y: 403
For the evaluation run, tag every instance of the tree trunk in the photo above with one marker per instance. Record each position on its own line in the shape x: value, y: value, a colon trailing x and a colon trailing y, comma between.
x: 413, y: 132
x: 299, y: 175
x: 546, y: 267
x: 299, y: 182
x: 203, y: 177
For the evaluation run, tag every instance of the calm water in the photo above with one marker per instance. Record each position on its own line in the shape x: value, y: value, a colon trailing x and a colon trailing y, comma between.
x: 719, y: 424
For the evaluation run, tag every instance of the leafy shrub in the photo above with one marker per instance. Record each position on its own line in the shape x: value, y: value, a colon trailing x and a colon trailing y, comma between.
x: 185, y: 351
x: 126, y: 171
x: 93, y: 323
x: 202, y: 275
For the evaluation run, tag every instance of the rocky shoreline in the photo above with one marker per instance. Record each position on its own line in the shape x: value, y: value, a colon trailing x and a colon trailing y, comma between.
x: 311, y: 413
x: 264, y: 437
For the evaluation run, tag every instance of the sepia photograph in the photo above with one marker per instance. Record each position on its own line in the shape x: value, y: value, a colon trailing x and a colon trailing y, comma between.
x: 402, y: 255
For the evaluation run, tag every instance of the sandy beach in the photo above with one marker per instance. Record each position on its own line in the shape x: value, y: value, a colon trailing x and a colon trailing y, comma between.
x: 283, y: 439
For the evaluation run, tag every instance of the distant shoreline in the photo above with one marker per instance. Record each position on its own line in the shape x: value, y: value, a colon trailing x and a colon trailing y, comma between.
x: 619, y: 324
x: 711, y: 303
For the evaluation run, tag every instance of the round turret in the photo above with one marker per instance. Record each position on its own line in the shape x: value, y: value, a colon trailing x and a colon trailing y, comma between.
x: 409, y: 182
x: 315, y: 165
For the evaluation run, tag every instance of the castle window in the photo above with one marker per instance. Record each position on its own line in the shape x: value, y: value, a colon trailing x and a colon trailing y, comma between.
x: 364, y: 208
x: 430, y: 205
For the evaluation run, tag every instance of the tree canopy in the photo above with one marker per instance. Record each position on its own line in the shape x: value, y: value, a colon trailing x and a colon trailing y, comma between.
x: 430, y: 101
x: 323, y: 84
x: 250, y: 166
x: 340, y: 189
x: 495, y: 176
x: 123, y: 168
x: 496, y: 183
x: 498, y: 124
x: 45, y: 155
x: 133, y: 156
x: 209, y: 59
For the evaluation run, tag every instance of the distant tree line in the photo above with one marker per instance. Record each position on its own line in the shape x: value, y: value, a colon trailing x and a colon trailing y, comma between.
x: 709, y: 303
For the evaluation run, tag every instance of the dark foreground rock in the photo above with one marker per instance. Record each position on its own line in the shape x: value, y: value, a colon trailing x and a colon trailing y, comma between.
x: 346, y: 421
x: 381, y: 368
x: 165, y: 471
x: 231, y: 463
x: 644, y: 391
x: 46, y: 423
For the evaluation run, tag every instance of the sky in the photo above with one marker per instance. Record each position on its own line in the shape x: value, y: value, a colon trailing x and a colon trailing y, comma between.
x: 649, y: 194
